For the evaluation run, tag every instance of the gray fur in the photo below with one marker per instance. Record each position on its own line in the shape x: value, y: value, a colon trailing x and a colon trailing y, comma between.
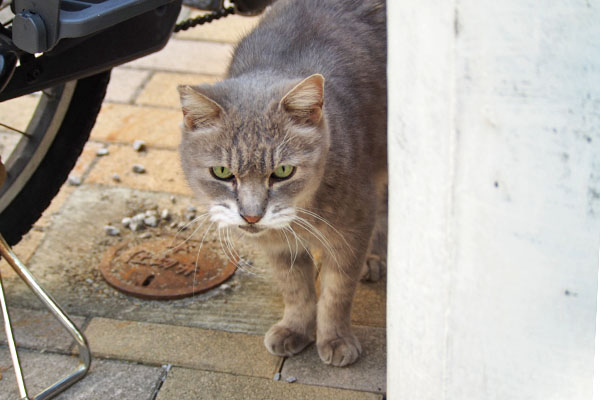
x: 336, y: 141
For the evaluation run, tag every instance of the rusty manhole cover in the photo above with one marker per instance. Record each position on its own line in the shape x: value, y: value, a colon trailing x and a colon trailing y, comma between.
x: 163, y: 269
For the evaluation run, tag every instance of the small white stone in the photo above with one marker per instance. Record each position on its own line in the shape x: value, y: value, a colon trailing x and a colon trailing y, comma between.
x: 139, y: 217
x: 145, y: 235
x: 116, y: 178
x: 173, y: 199
x: 277, y: 376
x: 151, y: 213
x: 138, y: 168
x: 74, y: 181
x: 102, y: 152
x: 189, y: 216
x: 165, y: 214
x: 136, y: 225
x: 151, y: 221
x: 291, y: 379
x: 126, y: 221
x: 112, y: 231
x: 139, y: 145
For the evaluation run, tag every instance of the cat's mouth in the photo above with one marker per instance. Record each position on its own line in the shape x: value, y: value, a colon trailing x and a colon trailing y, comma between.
x: 251, y: 228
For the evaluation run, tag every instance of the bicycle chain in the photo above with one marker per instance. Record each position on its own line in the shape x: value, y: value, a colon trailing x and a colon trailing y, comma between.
x: 203, y: 19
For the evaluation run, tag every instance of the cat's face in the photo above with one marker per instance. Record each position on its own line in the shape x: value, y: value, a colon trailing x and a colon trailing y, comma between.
x: 253, y: 158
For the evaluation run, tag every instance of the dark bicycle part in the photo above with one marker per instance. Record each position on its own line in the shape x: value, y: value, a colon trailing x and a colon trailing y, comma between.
x: 251, y: 7
x: 208, y: 5
x: 203, y: 19
x: 76, y: 58
x: 8, y: 64
x: 39, y: 25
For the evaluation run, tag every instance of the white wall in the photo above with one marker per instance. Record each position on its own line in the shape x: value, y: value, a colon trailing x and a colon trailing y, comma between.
x: 494, y: 149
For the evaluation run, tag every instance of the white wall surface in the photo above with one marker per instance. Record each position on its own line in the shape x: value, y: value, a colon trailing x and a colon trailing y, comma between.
x: 494, y: 149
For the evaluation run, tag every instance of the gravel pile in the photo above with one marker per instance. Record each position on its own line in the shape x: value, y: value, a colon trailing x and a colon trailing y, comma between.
x: 149, y: 221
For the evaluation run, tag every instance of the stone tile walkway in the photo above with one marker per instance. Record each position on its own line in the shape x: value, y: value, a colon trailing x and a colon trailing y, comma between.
x: 208, y: 346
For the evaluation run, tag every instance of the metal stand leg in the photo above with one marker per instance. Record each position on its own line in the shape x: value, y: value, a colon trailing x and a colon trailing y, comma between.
x: 84, y: 350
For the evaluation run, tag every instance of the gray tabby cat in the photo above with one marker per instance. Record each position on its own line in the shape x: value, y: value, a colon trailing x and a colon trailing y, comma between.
x: 291, y: 148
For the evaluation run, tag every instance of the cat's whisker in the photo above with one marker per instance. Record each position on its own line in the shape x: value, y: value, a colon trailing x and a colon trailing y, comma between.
x: 320, y: 218
x: 320, y: 237
x: 172, y: 248
x: 315, y: 232
x: 299, y: 239
x: 229, y: 256
x: 290, y: 249
x: 198, y: 255
x: 316, y: 236
x: 234, y: 252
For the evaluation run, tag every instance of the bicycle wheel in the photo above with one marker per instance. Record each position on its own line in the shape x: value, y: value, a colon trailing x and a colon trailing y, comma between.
x: 38, y: 158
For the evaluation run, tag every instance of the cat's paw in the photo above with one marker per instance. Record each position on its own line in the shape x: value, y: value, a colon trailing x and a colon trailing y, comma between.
x: 281, y: 341
x: 339, y: 351
x: 373, y: 269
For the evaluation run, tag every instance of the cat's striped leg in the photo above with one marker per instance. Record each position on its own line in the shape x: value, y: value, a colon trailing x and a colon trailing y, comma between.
x: 336, y: 343
x: 296, y: 330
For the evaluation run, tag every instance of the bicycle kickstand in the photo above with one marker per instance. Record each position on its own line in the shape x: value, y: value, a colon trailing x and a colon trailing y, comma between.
x: 84, y: 350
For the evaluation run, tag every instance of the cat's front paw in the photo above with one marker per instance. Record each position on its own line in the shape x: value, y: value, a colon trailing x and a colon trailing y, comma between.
x: 339, y: 351
x: 282, y: 341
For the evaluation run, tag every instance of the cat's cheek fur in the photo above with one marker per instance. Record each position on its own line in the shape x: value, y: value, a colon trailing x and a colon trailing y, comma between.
x: 225, y: 214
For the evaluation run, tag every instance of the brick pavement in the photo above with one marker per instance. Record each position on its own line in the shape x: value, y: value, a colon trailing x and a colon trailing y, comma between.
x: 209, y: 346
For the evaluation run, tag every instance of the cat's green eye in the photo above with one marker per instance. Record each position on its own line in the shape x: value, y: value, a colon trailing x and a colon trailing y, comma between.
x: 221, y: 172
x: 283, y: 171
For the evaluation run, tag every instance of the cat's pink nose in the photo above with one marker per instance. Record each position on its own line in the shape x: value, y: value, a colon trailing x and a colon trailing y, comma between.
x: 251, y: 219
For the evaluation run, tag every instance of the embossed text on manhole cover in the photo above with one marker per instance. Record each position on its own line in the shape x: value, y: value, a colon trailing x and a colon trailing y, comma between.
x: 164, y: 268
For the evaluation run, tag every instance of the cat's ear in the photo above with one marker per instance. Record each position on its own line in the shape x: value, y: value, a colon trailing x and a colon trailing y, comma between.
x: 199, y: 111
x: 304, y: 103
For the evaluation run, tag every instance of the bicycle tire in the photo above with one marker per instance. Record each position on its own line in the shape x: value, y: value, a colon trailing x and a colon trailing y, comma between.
x: 41, y: 166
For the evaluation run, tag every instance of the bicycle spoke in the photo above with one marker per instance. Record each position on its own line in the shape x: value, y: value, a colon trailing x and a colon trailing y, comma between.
x: 15, y: 129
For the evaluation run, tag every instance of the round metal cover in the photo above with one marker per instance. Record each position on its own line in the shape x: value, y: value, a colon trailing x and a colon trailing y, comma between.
x: 164, y: 269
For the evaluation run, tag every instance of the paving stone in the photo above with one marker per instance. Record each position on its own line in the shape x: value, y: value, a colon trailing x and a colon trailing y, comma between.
x: 230, y: 29
x: 88, y: 155
x: 105, y: 380
x: 189, y: 347
x: 17, y: 112
x: 35, y: 329
x: 83, y: 164
x: 368, y: 308
x: 189, y: 384
x: 161, y: 90
x: 121, y: 123
x: 163, y: 170
x: 188, y: 56
x: 23, y: 250
x: 66, y: 264
x: 368, y: 373
x: 125, y: 84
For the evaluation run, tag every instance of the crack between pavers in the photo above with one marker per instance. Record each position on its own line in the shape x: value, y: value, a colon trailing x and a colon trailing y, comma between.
x: 161, y: 380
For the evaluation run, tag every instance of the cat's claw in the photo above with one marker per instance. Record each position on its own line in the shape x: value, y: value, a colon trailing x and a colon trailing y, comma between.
x: 281, y: 341
x: 339, y: 351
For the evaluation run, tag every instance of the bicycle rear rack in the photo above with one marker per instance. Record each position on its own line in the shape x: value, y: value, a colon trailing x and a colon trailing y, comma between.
x: 84, y: 350
x: 39, y: 25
